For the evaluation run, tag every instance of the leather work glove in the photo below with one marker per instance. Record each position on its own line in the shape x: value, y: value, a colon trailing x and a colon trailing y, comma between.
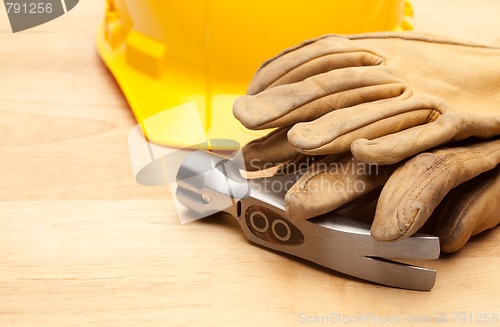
x: 418, y: 186
x: 384, y: 96
x: 454, y: 189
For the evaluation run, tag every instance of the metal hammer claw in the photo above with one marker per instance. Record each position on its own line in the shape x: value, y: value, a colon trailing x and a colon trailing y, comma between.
x: 208, y: 183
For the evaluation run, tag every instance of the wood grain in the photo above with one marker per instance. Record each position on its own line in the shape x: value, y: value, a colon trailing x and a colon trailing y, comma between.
x: 82, y: 244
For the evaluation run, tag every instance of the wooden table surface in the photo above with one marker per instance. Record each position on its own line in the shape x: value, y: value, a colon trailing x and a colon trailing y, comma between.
x: 82, y: 244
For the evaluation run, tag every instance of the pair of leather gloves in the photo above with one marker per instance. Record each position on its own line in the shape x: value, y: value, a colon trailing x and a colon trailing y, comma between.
x: 416, y: 116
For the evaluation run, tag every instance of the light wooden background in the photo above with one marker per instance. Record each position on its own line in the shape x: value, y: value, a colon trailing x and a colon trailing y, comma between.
x: 81, y: 244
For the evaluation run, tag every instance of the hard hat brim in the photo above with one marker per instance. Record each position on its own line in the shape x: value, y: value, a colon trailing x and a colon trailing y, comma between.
x: 160, y: 103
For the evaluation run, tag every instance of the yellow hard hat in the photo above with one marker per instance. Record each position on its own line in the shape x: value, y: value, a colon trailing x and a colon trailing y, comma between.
x: 198, y: 56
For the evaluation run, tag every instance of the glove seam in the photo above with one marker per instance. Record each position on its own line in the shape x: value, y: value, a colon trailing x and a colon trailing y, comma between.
x: 360, y: 51
x: 409, y: 36
x: 347, y: 89
x: 316, y: 173
x: 430, y: 177
x: 421, y: 37
x: 472, y: 199
x: 453, y: 158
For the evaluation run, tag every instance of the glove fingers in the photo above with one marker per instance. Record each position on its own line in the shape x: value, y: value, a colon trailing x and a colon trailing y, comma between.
x: 331, y: 183
x: 336, y: 131
x: 318, y: 66
x: 440, y: 127
x: 416, y: 188
x: 310, y: 58
x: 270, y: 151
x: 467, y: 210
x: 313, y: 97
